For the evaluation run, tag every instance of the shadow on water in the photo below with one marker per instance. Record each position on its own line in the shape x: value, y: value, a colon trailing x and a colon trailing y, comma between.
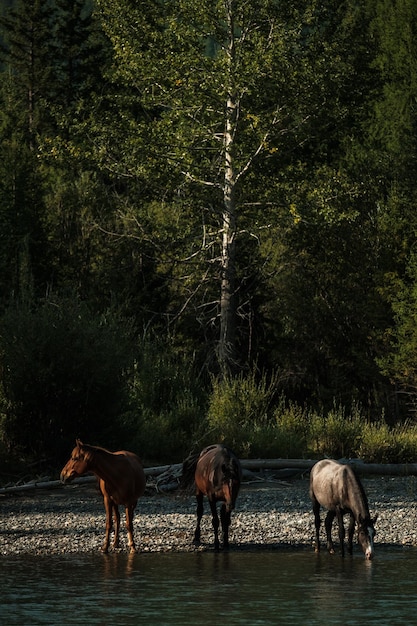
x: 265, y: 588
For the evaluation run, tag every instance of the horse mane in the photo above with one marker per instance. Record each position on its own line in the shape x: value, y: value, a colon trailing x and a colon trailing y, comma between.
x: 188, y: 471
x: 230, y: 466
x: 360, y: 487
x: 93, y: 449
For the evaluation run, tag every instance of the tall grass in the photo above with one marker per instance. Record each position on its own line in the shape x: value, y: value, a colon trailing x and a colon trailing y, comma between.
x: 239, y: 413
x: 174, y: 416
x: 248, y: 415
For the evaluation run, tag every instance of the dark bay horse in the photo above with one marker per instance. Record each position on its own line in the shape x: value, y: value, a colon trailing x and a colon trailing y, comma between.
x: 121, y: 481
x: 337, y: 488
x: 217, y: 474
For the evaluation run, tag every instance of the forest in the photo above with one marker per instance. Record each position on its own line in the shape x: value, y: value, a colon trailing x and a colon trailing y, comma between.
x: 208, y: 226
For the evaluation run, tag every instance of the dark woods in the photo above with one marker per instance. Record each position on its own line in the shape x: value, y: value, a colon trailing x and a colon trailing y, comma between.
x: 177, y: 215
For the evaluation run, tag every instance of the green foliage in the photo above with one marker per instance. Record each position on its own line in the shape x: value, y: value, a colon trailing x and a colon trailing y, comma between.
x: 63, y: 375
x: 400, y: 361
x: 240, y: 410
x: 383, y: 444
x: 113, y: 168
x: 230, y: 91
x: 291, y: 431
x: 395, y: 27
x: 392, y: 132
x: 336, y: 435
x: 168, y: 402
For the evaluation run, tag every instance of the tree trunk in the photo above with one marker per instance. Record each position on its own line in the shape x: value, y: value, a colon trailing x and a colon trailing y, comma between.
x: 227, y: 339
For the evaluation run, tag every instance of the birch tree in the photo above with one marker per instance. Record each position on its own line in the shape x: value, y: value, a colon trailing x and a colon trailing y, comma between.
x: 227, y: 86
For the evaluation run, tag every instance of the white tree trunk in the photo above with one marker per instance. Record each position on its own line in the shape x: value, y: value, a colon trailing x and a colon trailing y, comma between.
x: 227, y: 340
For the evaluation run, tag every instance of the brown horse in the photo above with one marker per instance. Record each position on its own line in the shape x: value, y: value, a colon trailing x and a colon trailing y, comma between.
x: 217, y: 474
x: 121, y: 481
x: 337, y: 488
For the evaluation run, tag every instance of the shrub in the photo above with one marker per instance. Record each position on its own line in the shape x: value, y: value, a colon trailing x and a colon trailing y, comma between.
x: 63, y: 375
x: 168, y: 403
x: 336, y: 435
x: 376, y: 442
x: 383, y: 444
x: 239, y: 410
x: 405, y: 450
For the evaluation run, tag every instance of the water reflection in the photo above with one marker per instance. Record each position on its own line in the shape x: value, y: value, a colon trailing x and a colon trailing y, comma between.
x: 117, y: 565
x: 339, y: 585
x: 251, y: 588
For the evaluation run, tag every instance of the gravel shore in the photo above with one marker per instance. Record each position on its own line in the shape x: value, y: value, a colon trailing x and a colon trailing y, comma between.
x: 268, y: 515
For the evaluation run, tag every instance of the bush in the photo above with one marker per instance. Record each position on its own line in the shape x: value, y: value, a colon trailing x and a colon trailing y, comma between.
x: 336, y: 435
x: 240, y: 410
x: 63, y: 375
x: 382, y: 444
x: 292, y: 427
x: 376, y: 443
x: 169, y: 403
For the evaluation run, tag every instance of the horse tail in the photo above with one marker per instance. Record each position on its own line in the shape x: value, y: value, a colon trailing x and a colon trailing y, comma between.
x: 188, y: 471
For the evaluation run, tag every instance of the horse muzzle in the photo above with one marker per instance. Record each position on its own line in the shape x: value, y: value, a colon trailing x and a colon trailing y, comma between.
x: 369, y: 554
x: 66, y: 478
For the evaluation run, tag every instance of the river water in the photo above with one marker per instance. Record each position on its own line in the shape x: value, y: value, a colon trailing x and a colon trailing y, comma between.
x: 245, y: 588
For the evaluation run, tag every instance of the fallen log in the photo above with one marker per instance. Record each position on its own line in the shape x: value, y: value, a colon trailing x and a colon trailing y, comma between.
x: 379, y: 469
x: 384, y: 469
x: 44, y: 484
x: 258, y: 464
x: 54, y: 484
x: 366, y: 469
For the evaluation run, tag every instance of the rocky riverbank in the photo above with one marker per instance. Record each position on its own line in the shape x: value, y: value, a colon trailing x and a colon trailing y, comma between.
x: 268, y: 515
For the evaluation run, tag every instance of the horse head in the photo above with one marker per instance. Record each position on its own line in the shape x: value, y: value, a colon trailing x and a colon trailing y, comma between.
x: 366, y: 534
x: 231, y: 484
x: 78, y: 463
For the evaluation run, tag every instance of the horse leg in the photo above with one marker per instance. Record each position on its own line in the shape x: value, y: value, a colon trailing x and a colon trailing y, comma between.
x: 129, y: 525
x: 328, y: 525
x: 216, y: 523
x: 225, y: 522
x: 108, y: 505
x: 200, y: 511
x: 341, y: 531
x: 116, y: 526
x: 317, y: 522
x: 351, y: 531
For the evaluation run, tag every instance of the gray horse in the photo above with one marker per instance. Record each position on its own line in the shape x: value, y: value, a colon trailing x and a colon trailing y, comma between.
x: 337, y: 488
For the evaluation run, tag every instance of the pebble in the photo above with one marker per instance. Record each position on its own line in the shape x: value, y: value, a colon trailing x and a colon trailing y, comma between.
x: 268, y: 515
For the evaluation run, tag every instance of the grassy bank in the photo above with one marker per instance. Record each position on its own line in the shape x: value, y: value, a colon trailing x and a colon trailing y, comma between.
x: 248, y: 417
x: 298, y: 433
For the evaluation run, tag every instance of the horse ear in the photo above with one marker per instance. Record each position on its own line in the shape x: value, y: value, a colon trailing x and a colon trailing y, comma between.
x: 79, y: 443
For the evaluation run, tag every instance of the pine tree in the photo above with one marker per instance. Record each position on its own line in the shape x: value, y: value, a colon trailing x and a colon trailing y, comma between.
x: 393, y: 138
x: 25, y: 75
